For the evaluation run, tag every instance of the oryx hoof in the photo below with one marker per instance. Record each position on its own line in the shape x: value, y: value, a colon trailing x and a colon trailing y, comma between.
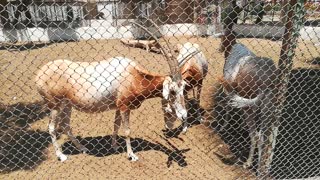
x: 84, y: 150
x: 247, y: 165
x: 133, y: 157
x: 184, y: 130
x: 115, y: 147
x: 62, y: 157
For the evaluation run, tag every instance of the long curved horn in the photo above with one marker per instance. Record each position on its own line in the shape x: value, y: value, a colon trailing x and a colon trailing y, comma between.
x: 173, y: 63
x: 154, y: 37
x: 158, y: 29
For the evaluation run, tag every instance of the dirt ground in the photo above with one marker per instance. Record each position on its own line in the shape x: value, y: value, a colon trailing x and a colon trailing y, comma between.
x: 18, y: 68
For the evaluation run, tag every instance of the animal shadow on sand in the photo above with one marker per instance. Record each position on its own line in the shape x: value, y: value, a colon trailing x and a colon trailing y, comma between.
x: 101, y: 146
x: 24, y: 148
x: 21, y: 147
x: 297, y: 150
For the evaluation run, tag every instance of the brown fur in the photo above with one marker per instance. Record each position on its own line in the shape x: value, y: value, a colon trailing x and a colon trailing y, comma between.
x: 56, y: 86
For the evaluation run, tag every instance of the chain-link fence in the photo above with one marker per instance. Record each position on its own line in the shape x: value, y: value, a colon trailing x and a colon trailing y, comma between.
x: 187, y: 89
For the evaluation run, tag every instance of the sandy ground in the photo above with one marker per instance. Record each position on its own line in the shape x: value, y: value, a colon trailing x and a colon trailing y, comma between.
x: 18, y: 68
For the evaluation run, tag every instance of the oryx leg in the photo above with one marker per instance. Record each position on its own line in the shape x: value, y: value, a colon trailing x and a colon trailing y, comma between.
x: 125, y: 115
x: 64, y: 119
x: 250, y: 120
x: 227, y: 118
x: 269, y: 131
x: 199, y: 88
x: 228, y: 109
x: 53, y: 133
x: 185, y: 121
x: 169, y: 118
x: 117, y: 124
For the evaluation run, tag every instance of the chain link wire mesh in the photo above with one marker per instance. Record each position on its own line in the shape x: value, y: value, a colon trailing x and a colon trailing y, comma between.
x: 79, y: 78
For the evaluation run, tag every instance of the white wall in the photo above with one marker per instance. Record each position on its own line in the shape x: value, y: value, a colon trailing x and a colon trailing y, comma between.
x: 311, y: 34
x: 103, y: 29
x: 98, y: 29
x: 29, y: 34
x: 307, y: 33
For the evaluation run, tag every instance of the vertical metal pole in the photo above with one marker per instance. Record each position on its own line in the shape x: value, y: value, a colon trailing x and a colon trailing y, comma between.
x: 295, y: 14
x: 295, y: 21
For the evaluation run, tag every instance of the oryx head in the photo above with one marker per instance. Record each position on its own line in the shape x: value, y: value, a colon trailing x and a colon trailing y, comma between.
x: 173, y: 94
x: 173, y: 85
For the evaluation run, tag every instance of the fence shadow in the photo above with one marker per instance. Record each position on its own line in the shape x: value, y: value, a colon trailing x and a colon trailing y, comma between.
x: 23, y: 148
x: 22, y: 114
x: 314, y: 23
x: 101, y: 146
x: 315, y: 61
x: 20, y: 147
x: 297, y: 153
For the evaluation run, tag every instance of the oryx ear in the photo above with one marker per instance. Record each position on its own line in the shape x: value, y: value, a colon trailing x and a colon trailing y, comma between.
x: 166, y: 87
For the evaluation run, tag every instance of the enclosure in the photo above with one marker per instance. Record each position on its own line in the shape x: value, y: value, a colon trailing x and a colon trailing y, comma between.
x: 217, y: 142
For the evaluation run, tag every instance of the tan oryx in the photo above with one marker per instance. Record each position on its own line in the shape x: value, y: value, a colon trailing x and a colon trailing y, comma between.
x: 116, y: 83
x: 250, y: 83
x: 194, y: 68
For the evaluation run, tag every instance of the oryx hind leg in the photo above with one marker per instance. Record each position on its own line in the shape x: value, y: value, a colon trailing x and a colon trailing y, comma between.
x: 64, y: 116
x: 269, y: 130
x: 53, y: 133
x: 250, y: 120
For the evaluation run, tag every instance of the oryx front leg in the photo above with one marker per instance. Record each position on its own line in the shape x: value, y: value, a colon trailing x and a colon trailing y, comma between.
x: 169, y: 118
x: 227, y: 118
x: 250, y: 117
x: 125, y: 117
x: 52, y: 131
x: 185, y: 120
x: 199, y: 88
x: 117, y: 124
